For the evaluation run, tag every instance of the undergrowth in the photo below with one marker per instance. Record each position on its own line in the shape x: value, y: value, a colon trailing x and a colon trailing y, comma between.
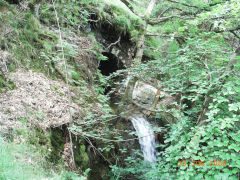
x: 20, y: 162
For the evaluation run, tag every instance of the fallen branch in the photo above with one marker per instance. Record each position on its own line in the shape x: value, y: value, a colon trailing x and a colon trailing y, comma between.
x: 159, y: 50
x: 105, y: 139
x: 88, y: 140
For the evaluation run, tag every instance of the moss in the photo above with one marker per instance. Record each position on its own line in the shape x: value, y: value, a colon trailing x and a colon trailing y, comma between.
x: 121, y: 17
x: 3, y: 6
x: 6, y: 84
x: 40, y: 140
x: 75, y: 76
x: 80, y: 155
x: 50, y: 144
x: 21, y: 132
x: 57, y: 143
x: 32, y: 45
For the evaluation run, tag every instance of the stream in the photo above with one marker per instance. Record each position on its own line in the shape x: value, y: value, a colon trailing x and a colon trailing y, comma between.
x: 146, y: 138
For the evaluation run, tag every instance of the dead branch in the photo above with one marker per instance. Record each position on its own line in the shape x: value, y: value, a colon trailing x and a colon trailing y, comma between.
x: 105, y: 139
x: 163, y: 35
x: 235, y: 34
x: 96, y: 149
x: 184, y: 4
x: 209, y: 72
x: 168, y: 9
x: 71, y: 147
x: 228, y: 30
x: 159, y: 50
x: 112, y: 44
x: 164, y: 19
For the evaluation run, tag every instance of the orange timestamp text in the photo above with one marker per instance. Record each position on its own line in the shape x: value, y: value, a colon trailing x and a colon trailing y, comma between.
x: 202, y: 163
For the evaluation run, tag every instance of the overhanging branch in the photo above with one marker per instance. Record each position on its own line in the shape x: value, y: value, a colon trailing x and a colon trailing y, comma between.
x: 163, y: 35
x: 227, y: 30
x: 164, y: 19
x: 184, y: 4
x: 197, y: 7
x: 168, y: 9
x: 235, y: 34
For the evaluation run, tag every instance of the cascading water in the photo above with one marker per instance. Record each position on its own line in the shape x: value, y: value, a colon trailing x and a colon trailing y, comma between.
x: 146, y: 138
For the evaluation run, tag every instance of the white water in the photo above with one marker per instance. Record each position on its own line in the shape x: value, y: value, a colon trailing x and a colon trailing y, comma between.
x: 126, y: 81
x: 146, y: 138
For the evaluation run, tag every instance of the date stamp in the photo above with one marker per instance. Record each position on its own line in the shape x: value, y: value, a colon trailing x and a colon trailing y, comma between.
x: 202, y: 163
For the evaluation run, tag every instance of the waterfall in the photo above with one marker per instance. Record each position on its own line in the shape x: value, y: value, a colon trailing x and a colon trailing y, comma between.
x: 146, y: 138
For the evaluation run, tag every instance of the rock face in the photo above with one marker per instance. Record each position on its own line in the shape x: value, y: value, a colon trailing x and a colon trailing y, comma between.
x: 117, y: 44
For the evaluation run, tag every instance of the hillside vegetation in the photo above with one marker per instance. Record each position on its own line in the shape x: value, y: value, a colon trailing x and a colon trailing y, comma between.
x: 69, y: 72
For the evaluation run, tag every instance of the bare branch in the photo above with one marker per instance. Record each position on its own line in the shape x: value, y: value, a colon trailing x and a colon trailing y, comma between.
x: 163, y: 35
x: 235, y: 34
x: 159, y: 50
x: 199, y: 8
x: 216, y: 3
x: 184, y: 4
x: 183, y: 12
x: 227, y: 30
x: 168, y: 9
x: 164, y: 19
x: 71, y: 147
x: 119, y: 39
x: 209, y: 72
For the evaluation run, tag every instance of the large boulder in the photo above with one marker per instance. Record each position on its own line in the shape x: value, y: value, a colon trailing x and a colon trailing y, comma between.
x: 151, y: 100
x: 144, y: 93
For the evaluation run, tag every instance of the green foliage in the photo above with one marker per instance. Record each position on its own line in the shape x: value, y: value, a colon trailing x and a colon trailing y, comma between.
x: 199, y: 71
x: 81, y: 157
x: 23, y: 163
x: 5, y: 84
x: 57, y: 145
x: 14, y: 163
x: 203, y: 73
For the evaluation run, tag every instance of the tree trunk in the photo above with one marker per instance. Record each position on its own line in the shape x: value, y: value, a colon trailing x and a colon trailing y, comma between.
x: 140, y: 42
x: 139, y: 52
